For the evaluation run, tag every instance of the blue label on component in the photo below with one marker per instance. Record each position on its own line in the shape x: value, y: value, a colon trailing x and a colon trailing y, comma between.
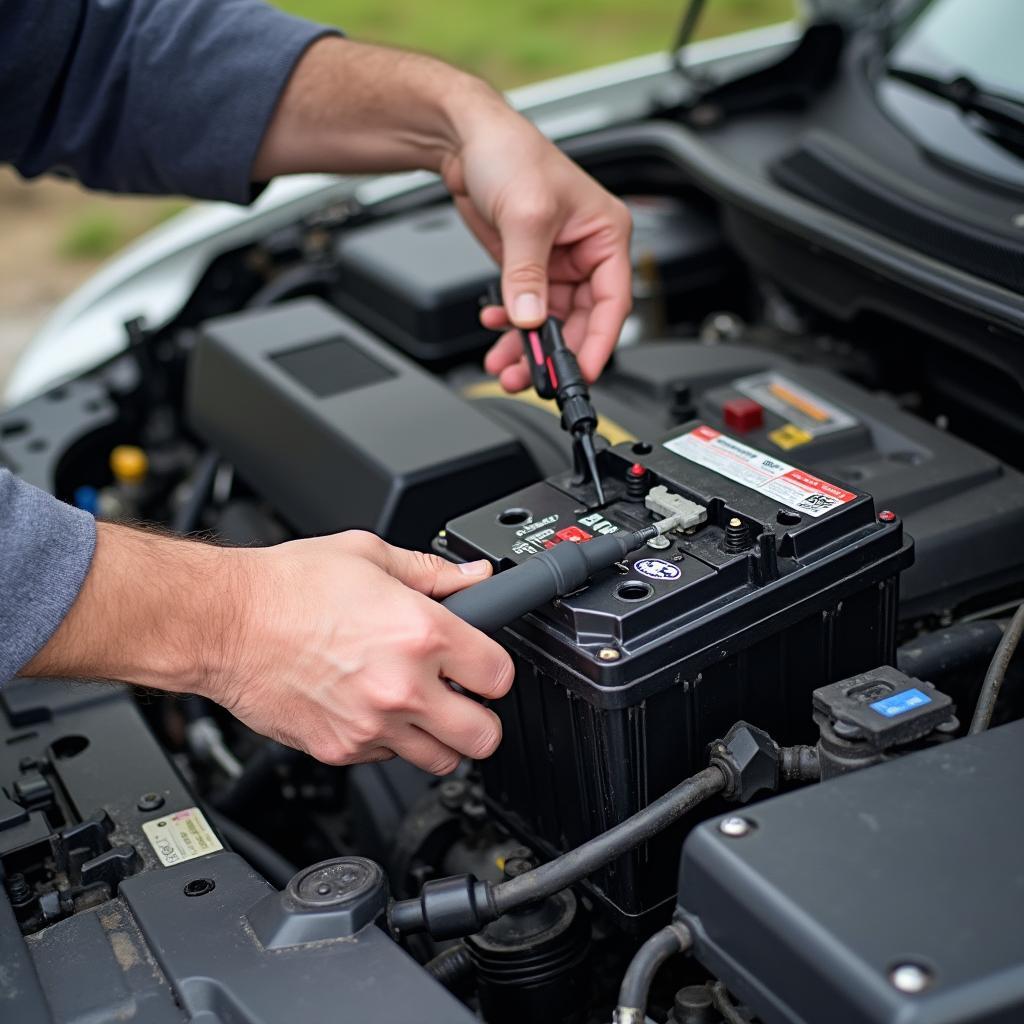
x: 657, y: 569
x: 898, y: 703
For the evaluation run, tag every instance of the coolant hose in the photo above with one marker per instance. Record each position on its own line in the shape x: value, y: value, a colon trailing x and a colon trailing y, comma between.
x: 997, y: 673
x: 568, y: 869
x: 636, y: 984
x: 261, y: 855
x: 449, y: 908
x: 451, y: 967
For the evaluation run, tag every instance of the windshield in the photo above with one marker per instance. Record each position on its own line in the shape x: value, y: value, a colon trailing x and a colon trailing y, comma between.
x: 982, y: 40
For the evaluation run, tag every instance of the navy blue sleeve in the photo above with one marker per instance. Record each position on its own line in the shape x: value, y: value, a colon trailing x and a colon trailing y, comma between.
x: 46, y: 549
x: 148, y: 96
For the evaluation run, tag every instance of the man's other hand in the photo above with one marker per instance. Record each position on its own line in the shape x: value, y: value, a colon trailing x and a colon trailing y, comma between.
x: 561, y: 240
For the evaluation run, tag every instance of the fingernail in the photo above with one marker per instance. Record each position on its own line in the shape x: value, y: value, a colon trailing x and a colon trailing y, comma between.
x: 527, y: 307
x: 478, y: 568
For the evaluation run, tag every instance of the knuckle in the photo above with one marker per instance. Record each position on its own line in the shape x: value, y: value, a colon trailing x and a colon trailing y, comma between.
x: 362, y: 542
x: 421, y: 637
x: 333, y: 751
x: 526, y: 274
x: 501, y: 681
x: 398, y: 694
x: 535, y: 212
x: 363, y: 732
x: 443, y: 764
x: 486, y: 742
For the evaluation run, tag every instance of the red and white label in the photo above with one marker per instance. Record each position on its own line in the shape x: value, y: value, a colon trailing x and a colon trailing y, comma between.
x: 760, y: 472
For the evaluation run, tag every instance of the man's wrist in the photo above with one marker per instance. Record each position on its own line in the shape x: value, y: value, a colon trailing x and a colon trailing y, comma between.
x: 467, y: 105
x: 156, y: 611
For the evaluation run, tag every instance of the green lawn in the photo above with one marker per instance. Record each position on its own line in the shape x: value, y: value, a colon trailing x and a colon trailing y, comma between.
x: 509, y: 43
x: 519, y: 41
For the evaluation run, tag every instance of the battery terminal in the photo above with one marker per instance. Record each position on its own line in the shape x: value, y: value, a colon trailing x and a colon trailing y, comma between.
x: 677, y: 512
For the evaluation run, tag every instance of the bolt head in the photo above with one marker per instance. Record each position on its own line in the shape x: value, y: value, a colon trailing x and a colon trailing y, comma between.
x: 609, y: 654
x: 659, y: 543
x: 735, y: 827
x: 910, y: 978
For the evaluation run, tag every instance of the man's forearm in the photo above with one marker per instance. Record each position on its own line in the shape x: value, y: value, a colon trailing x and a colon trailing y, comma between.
x: 351, y: 108
x: 153, y: 610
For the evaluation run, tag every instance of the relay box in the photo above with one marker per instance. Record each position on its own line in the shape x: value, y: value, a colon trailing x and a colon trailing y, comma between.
x: 789, y: 583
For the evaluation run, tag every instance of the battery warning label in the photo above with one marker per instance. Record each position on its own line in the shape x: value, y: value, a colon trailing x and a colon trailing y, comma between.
x: 760, y: 472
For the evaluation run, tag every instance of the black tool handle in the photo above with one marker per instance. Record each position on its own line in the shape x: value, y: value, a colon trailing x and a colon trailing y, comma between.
x: 553, y: 367
x: 560, y: 570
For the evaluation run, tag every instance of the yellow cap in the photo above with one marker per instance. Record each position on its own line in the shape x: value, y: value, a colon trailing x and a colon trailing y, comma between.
x: 129, y: 464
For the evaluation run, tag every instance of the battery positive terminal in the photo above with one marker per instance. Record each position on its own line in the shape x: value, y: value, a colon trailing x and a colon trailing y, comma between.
x: 683, y: 512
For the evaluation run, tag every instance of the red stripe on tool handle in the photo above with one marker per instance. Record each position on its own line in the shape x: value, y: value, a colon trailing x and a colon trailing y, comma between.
x: 551, y: 374
x: 538, y: 352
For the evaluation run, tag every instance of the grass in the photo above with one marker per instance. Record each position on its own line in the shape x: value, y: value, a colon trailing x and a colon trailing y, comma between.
x: 99, y: 231
x: 526, y: 40
x: 509, y: 43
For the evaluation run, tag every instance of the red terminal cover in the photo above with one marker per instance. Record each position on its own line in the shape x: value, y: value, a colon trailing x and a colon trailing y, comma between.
x: 743, y: 415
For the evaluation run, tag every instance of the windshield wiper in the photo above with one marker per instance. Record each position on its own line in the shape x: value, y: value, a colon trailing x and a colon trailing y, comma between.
x: 1003, y: 116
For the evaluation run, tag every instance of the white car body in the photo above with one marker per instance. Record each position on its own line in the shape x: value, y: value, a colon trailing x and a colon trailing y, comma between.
x: 154, y: 277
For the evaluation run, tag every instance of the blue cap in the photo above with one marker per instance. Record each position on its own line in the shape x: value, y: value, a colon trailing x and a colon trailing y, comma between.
x: 87, y: 498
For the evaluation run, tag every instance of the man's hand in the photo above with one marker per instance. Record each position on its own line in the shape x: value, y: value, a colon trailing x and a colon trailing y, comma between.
x: 335, y: 646
x: 561, y: 240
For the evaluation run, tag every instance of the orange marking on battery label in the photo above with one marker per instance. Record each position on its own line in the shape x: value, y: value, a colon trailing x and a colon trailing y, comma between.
x: 797, y: 402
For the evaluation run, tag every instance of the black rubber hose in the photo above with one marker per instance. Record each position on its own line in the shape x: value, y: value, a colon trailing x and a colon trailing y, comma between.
x: 304, y: 279
x: 944, y: 651
x: 260, y: 775
x: 186, y: 518
x: 564, y: 871
x: 724, y: 1005
x: 451, y: 967
x: 997, y: 673
x: 264, y: 858
x: 636, y: 983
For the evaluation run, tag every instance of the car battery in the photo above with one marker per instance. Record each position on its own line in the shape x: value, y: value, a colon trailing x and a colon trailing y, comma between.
x: 790, y: 582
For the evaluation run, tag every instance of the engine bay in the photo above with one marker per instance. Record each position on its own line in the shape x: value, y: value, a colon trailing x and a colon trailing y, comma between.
x: 820, y: 638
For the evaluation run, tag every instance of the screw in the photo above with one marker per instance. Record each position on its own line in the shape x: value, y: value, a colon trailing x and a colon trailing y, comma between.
x: 887, y: 517
x: 150, y: 802
x: 910, y: 978
x: 734, y: 828
x: 323, y: 889
x: 609, y: 654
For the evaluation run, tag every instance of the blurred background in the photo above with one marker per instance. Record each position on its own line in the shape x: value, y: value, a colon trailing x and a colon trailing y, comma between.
x: 56, y: 234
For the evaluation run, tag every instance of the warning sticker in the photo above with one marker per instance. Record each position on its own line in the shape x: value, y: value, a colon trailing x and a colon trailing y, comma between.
x: 772, y: 477
x: 806, y: 412
x: 181, y: 836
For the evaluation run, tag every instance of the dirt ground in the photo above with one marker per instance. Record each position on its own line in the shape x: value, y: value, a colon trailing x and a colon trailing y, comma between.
x: 37, y: 270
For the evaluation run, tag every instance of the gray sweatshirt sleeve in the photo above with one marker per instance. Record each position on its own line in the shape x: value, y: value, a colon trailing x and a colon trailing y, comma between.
x: 46, y: 548
x: 151, y: 96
